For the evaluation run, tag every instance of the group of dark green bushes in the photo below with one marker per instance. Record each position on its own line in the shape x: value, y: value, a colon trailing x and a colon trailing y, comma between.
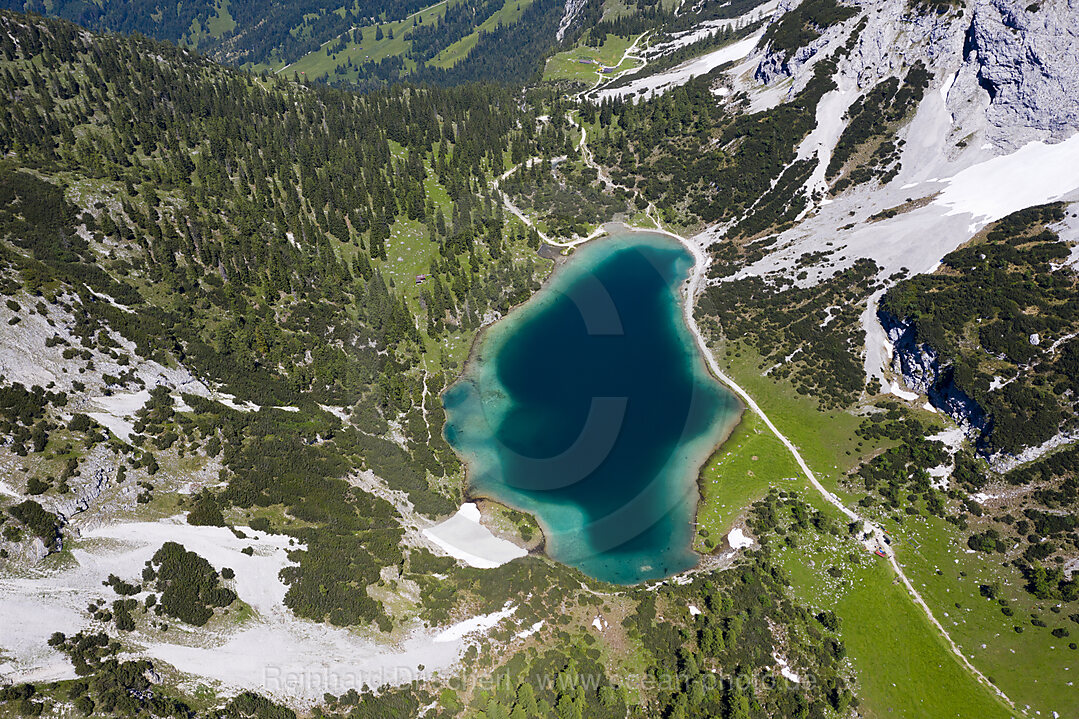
x: 995, y: 314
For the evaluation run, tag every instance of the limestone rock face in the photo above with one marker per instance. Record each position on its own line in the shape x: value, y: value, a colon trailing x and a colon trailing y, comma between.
x: 920, y: 367
x: 1020, y: 57
x: 100, y: 477
x: 1027, y: 58
x: 573, y: 9
x: 893, y: 38
x: 776, y: 65
x: 37, y: 551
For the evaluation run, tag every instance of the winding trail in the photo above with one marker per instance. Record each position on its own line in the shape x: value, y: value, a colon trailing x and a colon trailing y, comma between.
x: 423, y: 400
x: 586, y: 155
x: 694, y: 286
x: 630, y: 53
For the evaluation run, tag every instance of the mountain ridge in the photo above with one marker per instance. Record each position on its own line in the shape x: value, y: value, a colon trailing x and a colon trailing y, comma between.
x: 234, y: 297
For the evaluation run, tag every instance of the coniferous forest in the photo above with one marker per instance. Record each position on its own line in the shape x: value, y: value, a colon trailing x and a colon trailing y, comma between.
x: 246, y: 227
x: 247, y: 246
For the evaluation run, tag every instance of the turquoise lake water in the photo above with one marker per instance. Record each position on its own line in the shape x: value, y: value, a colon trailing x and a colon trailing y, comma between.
x: 591, y: 408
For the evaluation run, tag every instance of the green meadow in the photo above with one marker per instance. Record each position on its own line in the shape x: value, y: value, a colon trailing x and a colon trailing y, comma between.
x: 904, y: 666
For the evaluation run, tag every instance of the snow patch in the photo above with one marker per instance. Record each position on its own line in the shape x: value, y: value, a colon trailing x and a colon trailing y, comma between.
x: 708, y: 27
x: 662, y: 81
x: 482, y: 623
x: 116, y: 411
x: 947, y: 86
x: 738, y: 539
x: 785, y: 669
x: 952, y: 438
x: 464, y: 538
x: 898, y: 391
x: 1032, y: 175
x: 940, y: 476
x: 530, y: 631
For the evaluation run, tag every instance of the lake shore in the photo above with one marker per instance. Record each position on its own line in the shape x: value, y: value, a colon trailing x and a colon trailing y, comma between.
x: 693, y: 455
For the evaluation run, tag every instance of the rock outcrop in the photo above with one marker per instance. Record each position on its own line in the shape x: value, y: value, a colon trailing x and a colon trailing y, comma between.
x: 778, y: 65
x: 892, y: 38
x: 100, y: 478
x: 1021, y: 57
x: 572, y: 11
x: 1026, y: 55
x: 920, y: 367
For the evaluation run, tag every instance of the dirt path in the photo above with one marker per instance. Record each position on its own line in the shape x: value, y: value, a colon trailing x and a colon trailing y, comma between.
x: 694, y: 286
x: 423, y: 400
x: 695, y: 282
x: 631, y: 52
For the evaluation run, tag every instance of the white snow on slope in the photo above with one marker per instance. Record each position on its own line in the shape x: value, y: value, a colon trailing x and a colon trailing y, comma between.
x: 35, y: 606
x: 117, y: 411
x: 785, y: 669
x: 898, y: 391
x: 463, y: 537
x: 1032, y: 175
x: 256, y: 582
x: 572, y: 10
x: 821, y: 141
x: 123, y: 405
x: 475, y: 624
x: 274, y: 652
x: 706, y: 28
x: 952, y: 438
x: 660, y: 82
x: 878, y: 348
x: 947, y: 86
x: 525, y: 634
x: 738, y: 539
x: 940, y: 474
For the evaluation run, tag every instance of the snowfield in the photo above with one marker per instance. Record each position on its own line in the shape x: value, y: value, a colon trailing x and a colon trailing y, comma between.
x: 1032, y: 175
x: 708, y: 27
x: 274, y: 652
x: 475, y: 624
x: 464, y: 538
x: 659, y: 83
x: 738, y: 539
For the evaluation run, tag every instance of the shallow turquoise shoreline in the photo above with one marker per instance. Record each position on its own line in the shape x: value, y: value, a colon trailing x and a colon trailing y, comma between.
x: 591, y: 407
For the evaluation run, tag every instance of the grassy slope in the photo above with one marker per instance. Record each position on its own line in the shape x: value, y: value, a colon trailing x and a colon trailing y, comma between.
x: 222, y: 22
x: 904, y: 666
x: 1032, y: 667
x: 739, y: 474
x: 507, y: 15
x: 568, y: 66
x: 316, y: 63
x: 825, y: 439
x: 214, y: 27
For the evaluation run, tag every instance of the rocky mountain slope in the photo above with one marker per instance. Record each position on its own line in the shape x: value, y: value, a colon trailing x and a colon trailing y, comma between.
x: 232, y: 301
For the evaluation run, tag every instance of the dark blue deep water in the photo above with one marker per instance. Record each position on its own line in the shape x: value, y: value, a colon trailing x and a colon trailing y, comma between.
x: 591, y: 408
